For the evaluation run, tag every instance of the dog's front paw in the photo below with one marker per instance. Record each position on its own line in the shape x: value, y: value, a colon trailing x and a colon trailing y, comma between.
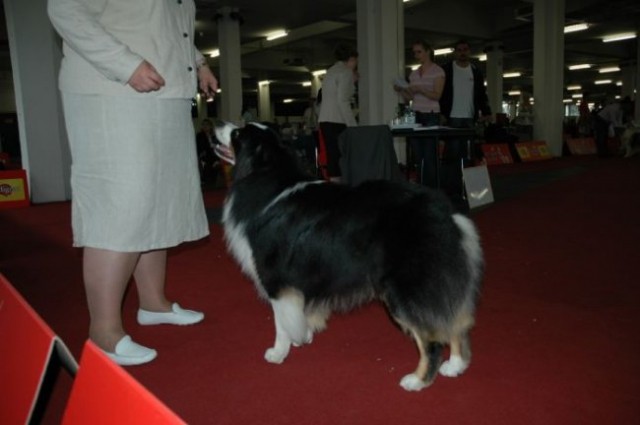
x: 273, y: 355
x: 412, y: 382
x: 453, y: 367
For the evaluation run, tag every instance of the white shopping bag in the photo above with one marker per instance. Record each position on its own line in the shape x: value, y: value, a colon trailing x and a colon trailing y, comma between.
x: 477, y: 186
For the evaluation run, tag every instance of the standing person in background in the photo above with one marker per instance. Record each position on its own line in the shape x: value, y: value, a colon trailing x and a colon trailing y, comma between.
x: 129, y: 72
x: 338, y: 88
x: 424, y: 91
x: 613, y: 115
x: 463, y: 99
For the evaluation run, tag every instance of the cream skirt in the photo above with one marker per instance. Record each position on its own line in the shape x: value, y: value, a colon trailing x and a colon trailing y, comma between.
x: 134, y: 174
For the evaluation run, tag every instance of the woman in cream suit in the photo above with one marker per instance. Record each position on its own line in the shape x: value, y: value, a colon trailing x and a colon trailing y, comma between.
x: 129, y: 72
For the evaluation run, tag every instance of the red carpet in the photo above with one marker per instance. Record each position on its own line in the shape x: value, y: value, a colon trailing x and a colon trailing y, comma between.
x: 555, y: 341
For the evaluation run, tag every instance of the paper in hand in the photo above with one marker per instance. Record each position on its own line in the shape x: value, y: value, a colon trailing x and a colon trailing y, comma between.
x: 401, y: 82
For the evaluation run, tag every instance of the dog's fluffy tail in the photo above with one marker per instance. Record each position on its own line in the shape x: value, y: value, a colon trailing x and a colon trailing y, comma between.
x: 471, y: 245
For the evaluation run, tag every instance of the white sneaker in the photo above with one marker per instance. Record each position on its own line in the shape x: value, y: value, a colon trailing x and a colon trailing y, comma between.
x: 129, y: 353
x: 178, y: 316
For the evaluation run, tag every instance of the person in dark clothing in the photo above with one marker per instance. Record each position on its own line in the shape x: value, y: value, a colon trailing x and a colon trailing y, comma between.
x: 615, y: 114
x: 463, y: 102
x: 207, y: 159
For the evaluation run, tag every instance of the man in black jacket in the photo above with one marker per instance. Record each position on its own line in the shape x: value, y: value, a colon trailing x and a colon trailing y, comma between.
x: 464, y: 100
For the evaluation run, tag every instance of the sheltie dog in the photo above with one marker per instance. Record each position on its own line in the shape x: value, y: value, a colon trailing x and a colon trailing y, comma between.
x: 313, y: 247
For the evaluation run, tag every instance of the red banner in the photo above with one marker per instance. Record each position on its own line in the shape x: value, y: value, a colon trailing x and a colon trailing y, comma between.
x: 582, y: 146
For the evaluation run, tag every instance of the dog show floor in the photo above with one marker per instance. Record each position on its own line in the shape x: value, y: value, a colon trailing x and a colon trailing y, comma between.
x: 555, y: 340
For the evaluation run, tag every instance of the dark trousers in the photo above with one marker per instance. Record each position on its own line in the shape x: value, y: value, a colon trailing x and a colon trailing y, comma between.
x: 455, y: 154
x: 424, y: 152
x: 330, y: 132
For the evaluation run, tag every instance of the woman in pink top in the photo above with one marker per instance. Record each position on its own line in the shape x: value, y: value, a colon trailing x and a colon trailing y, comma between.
x: 424, y: 90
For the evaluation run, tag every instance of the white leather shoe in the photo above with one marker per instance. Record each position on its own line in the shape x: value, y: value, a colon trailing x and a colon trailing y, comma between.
x: 129, y: 353
x: 178, y: 316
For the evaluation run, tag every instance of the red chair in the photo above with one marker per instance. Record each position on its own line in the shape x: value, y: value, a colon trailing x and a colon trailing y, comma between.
x: 104, y: 393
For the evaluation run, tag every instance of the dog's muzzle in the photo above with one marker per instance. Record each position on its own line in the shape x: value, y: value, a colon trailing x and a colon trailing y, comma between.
x: 224, y: 150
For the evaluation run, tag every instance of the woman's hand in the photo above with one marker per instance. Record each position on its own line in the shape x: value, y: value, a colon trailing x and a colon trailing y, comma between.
x: 208, y: 81
x: 145, y: 78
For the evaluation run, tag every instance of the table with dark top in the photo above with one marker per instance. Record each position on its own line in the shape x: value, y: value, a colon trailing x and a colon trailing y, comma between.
x: 438, y: 133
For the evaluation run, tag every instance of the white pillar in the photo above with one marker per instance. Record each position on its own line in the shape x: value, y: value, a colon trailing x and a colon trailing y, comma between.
x: 381, y: 58
x: 35, y: 59
x: 230, y: 106
x: 636, y: 86
x: 548, y: 72
x: 495, y: 87
x: 264, y: 102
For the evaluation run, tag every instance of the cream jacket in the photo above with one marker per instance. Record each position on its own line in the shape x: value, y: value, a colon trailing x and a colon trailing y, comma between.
x: 337, y: 91
x: 104, y: 41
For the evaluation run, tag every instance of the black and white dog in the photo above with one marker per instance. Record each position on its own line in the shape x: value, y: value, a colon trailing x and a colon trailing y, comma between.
x: 313, y: 247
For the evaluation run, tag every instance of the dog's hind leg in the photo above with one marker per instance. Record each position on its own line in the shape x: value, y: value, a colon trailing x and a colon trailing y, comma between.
x: 460, y: 356
x: 317, y: 317
x: 460, y: 353
x: 291, y: 324
x: 430, y: 359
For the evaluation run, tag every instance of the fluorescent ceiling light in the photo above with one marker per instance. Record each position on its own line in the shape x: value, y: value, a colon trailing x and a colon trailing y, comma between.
x: 567, y: 100
x: 515, y: 93
x: 414, y: 67
x: 319, y: 72
x: 482, y: 57
x: 446, y: 51
x: 214, y: 53
x: 277, y: 34
x: 574, y: 87
x: 264, y: 82
x: 287, y: 101
x: 306, y: 84
x: 599, y: 82
x: 577, y: 96
x: 511, y: 74
x: 618, y: 37
x: 580, y: 66
x: 619, y: 83
x: 576, y: 27
x: 609, y: 69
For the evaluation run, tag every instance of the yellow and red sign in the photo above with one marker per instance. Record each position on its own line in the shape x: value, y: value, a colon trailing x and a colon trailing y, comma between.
x: 13, y: 189
x: 536, y: 150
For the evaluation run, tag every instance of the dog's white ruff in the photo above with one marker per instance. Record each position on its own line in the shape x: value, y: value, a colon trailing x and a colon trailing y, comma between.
x: 234, y: 234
